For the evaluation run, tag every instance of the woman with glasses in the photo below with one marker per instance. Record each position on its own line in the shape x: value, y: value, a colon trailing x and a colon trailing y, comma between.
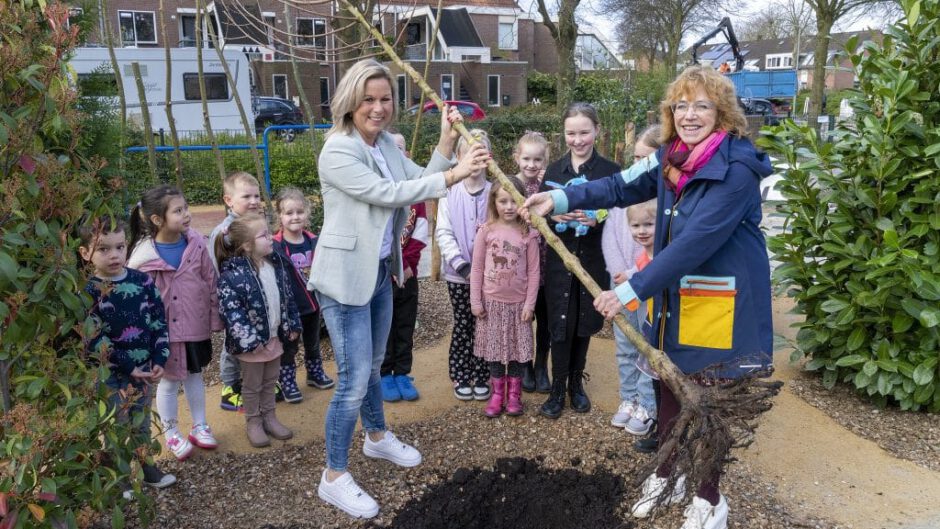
x: 710, y: 280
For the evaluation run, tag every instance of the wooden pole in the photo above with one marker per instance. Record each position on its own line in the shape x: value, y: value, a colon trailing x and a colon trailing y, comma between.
x: 220, y: 163
x: 145, y: 115
x: 168, y: 102
x: 248, y: 125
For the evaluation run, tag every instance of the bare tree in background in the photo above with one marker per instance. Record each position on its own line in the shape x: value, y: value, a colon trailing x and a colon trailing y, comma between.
x: 779, y: 20
x: 671, y: 19
x: 828, y: 13
x: 641, y: 35
x: 565, y: 35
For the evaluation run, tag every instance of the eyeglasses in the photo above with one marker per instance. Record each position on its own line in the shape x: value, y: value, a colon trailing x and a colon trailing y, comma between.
x: 699, y: 107
x: 264, y: 235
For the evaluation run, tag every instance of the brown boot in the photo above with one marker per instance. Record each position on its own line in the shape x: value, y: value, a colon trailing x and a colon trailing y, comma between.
x: 251, y: 400
x: 272, y: 426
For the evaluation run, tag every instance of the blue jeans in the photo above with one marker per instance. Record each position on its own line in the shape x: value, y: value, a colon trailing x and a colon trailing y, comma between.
x: 634, y: 384
x: 359, y: 336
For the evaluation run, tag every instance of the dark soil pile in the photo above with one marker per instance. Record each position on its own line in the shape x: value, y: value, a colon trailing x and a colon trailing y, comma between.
x: 519, y: 494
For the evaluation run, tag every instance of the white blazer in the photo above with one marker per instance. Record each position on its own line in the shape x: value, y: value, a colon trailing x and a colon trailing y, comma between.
x: 357, y: 204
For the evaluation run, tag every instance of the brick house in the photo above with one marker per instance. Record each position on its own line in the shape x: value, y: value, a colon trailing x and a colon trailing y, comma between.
x: 253, y: 28
x: 777, y: 54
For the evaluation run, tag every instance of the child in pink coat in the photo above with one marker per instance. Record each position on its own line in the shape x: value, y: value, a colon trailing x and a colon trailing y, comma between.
x: 175, y: 255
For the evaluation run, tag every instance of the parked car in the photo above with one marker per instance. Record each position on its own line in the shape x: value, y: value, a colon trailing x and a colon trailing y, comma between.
x: 754, y: 106
x: 276, y: 111
x: 469, y: 109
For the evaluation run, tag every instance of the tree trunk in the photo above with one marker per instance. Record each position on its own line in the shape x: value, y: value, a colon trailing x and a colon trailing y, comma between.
x: 820, y: 54
x: 672, y: 42
x: 565, y: 44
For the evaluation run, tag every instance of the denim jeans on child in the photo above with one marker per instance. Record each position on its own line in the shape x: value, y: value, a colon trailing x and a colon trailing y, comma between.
x: 634, y: 384
x: 359, y: 336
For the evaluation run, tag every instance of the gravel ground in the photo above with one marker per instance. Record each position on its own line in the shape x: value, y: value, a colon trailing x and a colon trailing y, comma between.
x: 276, y: 488
x: 914, y: 436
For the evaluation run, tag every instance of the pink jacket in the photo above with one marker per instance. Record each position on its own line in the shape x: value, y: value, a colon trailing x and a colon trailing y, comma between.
x: 189, y: 293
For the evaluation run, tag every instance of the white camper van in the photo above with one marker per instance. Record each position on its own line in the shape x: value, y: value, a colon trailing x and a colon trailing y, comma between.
x: 187, y: 103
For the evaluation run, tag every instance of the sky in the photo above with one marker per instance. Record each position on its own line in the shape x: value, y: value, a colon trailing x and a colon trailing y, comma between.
x: 588, y: 12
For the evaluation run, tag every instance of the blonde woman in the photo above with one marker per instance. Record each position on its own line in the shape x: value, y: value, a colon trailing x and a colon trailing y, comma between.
x: 368, y: 185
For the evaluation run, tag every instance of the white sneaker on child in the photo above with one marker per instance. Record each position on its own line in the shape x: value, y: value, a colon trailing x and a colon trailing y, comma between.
x: 639, y: 422
x: 344, y: 493
x: 623, y: 414
x: 201, y: 436
x: 392, y: 449
x: 180, y: 447
x: 701, y: 514
x: 653, y: 488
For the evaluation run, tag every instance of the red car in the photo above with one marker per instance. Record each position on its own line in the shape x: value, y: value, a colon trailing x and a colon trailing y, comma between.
x: 470, y: 110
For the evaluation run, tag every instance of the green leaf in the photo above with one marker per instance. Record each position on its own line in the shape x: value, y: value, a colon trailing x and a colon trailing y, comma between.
x: 870, y: 368
x: 923, y: 375
x: 856, y: 339
x: 8, y: 266
x: 929, y: 317
x: 834, y: 305
x: 850, y: 360
x: 901, y: 322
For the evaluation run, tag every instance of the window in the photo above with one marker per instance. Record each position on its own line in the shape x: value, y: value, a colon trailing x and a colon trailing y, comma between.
x: 137, y: 27
x: 280, y: 85
x: 779, y: 61
x: 216, y: 87
x: 447, y: 86
x: 269, y: 29
x: 402, y: 88
x: 311, y: 32
x: 508, y: 33
x: 492, y: 90
x: 187, y: 31
x: 75, y: 15
x: 325, y: 97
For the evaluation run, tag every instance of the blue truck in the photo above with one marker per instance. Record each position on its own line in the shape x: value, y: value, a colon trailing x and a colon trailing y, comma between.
x: 774, y: 84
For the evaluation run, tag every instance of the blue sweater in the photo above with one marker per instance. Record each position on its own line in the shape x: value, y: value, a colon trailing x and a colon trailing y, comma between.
x: 131, y: 327
x: 710, y: 279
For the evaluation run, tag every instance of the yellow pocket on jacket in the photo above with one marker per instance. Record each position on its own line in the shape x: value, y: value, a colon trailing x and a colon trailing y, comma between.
x: 706, y: 311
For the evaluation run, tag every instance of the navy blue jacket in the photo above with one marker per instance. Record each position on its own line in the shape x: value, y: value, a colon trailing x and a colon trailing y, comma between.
x: 710, y: 277
x: 243, y: 308
x: 306, y: 304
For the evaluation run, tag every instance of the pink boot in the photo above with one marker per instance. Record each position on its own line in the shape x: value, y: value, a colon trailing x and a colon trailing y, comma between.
x: 514, y: 404
x: 494, y: 408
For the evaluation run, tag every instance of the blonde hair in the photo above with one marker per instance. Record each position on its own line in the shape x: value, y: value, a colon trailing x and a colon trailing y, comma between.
x: 238, y: 177
x: 286, y: 194
x: 231, y: 243
x: 533, y: 138
x: 478, y: 134
x: 719, y: 90
x: 351, y: 91
x: 649, y: 207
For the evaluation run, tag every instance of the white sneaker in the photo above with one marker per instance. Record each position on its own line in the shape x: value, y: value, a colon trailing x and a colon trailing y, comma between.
x: 703, y: 515
x: 640, y: 421
x: 347, y: 496
x: 652, y: 489
x: 623, y: 414
x: 201, y: 436
x: 180, y: 447
x: 392, y: 449
x: 481, y: 392
x: 463, y: 393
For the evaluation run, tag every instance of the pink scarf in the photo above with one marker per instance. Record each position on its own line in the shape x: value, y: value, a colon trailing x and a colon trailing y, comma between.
x: 683, y: 163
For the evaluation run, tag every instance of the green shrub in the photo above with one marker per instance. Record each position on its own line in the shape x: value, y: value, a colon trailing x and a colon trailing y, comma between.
x: 860, y: 255
x: 64, y: 457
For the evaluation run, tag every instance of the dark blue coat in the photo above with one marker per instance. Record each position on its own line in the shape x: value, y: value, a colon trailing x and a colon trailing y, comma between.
x: 242, y: 304
x: 710, y: 275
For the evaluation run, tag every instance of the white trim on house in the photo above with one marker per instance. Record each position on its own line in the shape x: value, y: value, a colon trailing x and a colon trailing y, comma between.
x: 133, y: 13
x: 778, y: 61
x: 512, y: 42
x: 469, y: 54
x: 286, y: 85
